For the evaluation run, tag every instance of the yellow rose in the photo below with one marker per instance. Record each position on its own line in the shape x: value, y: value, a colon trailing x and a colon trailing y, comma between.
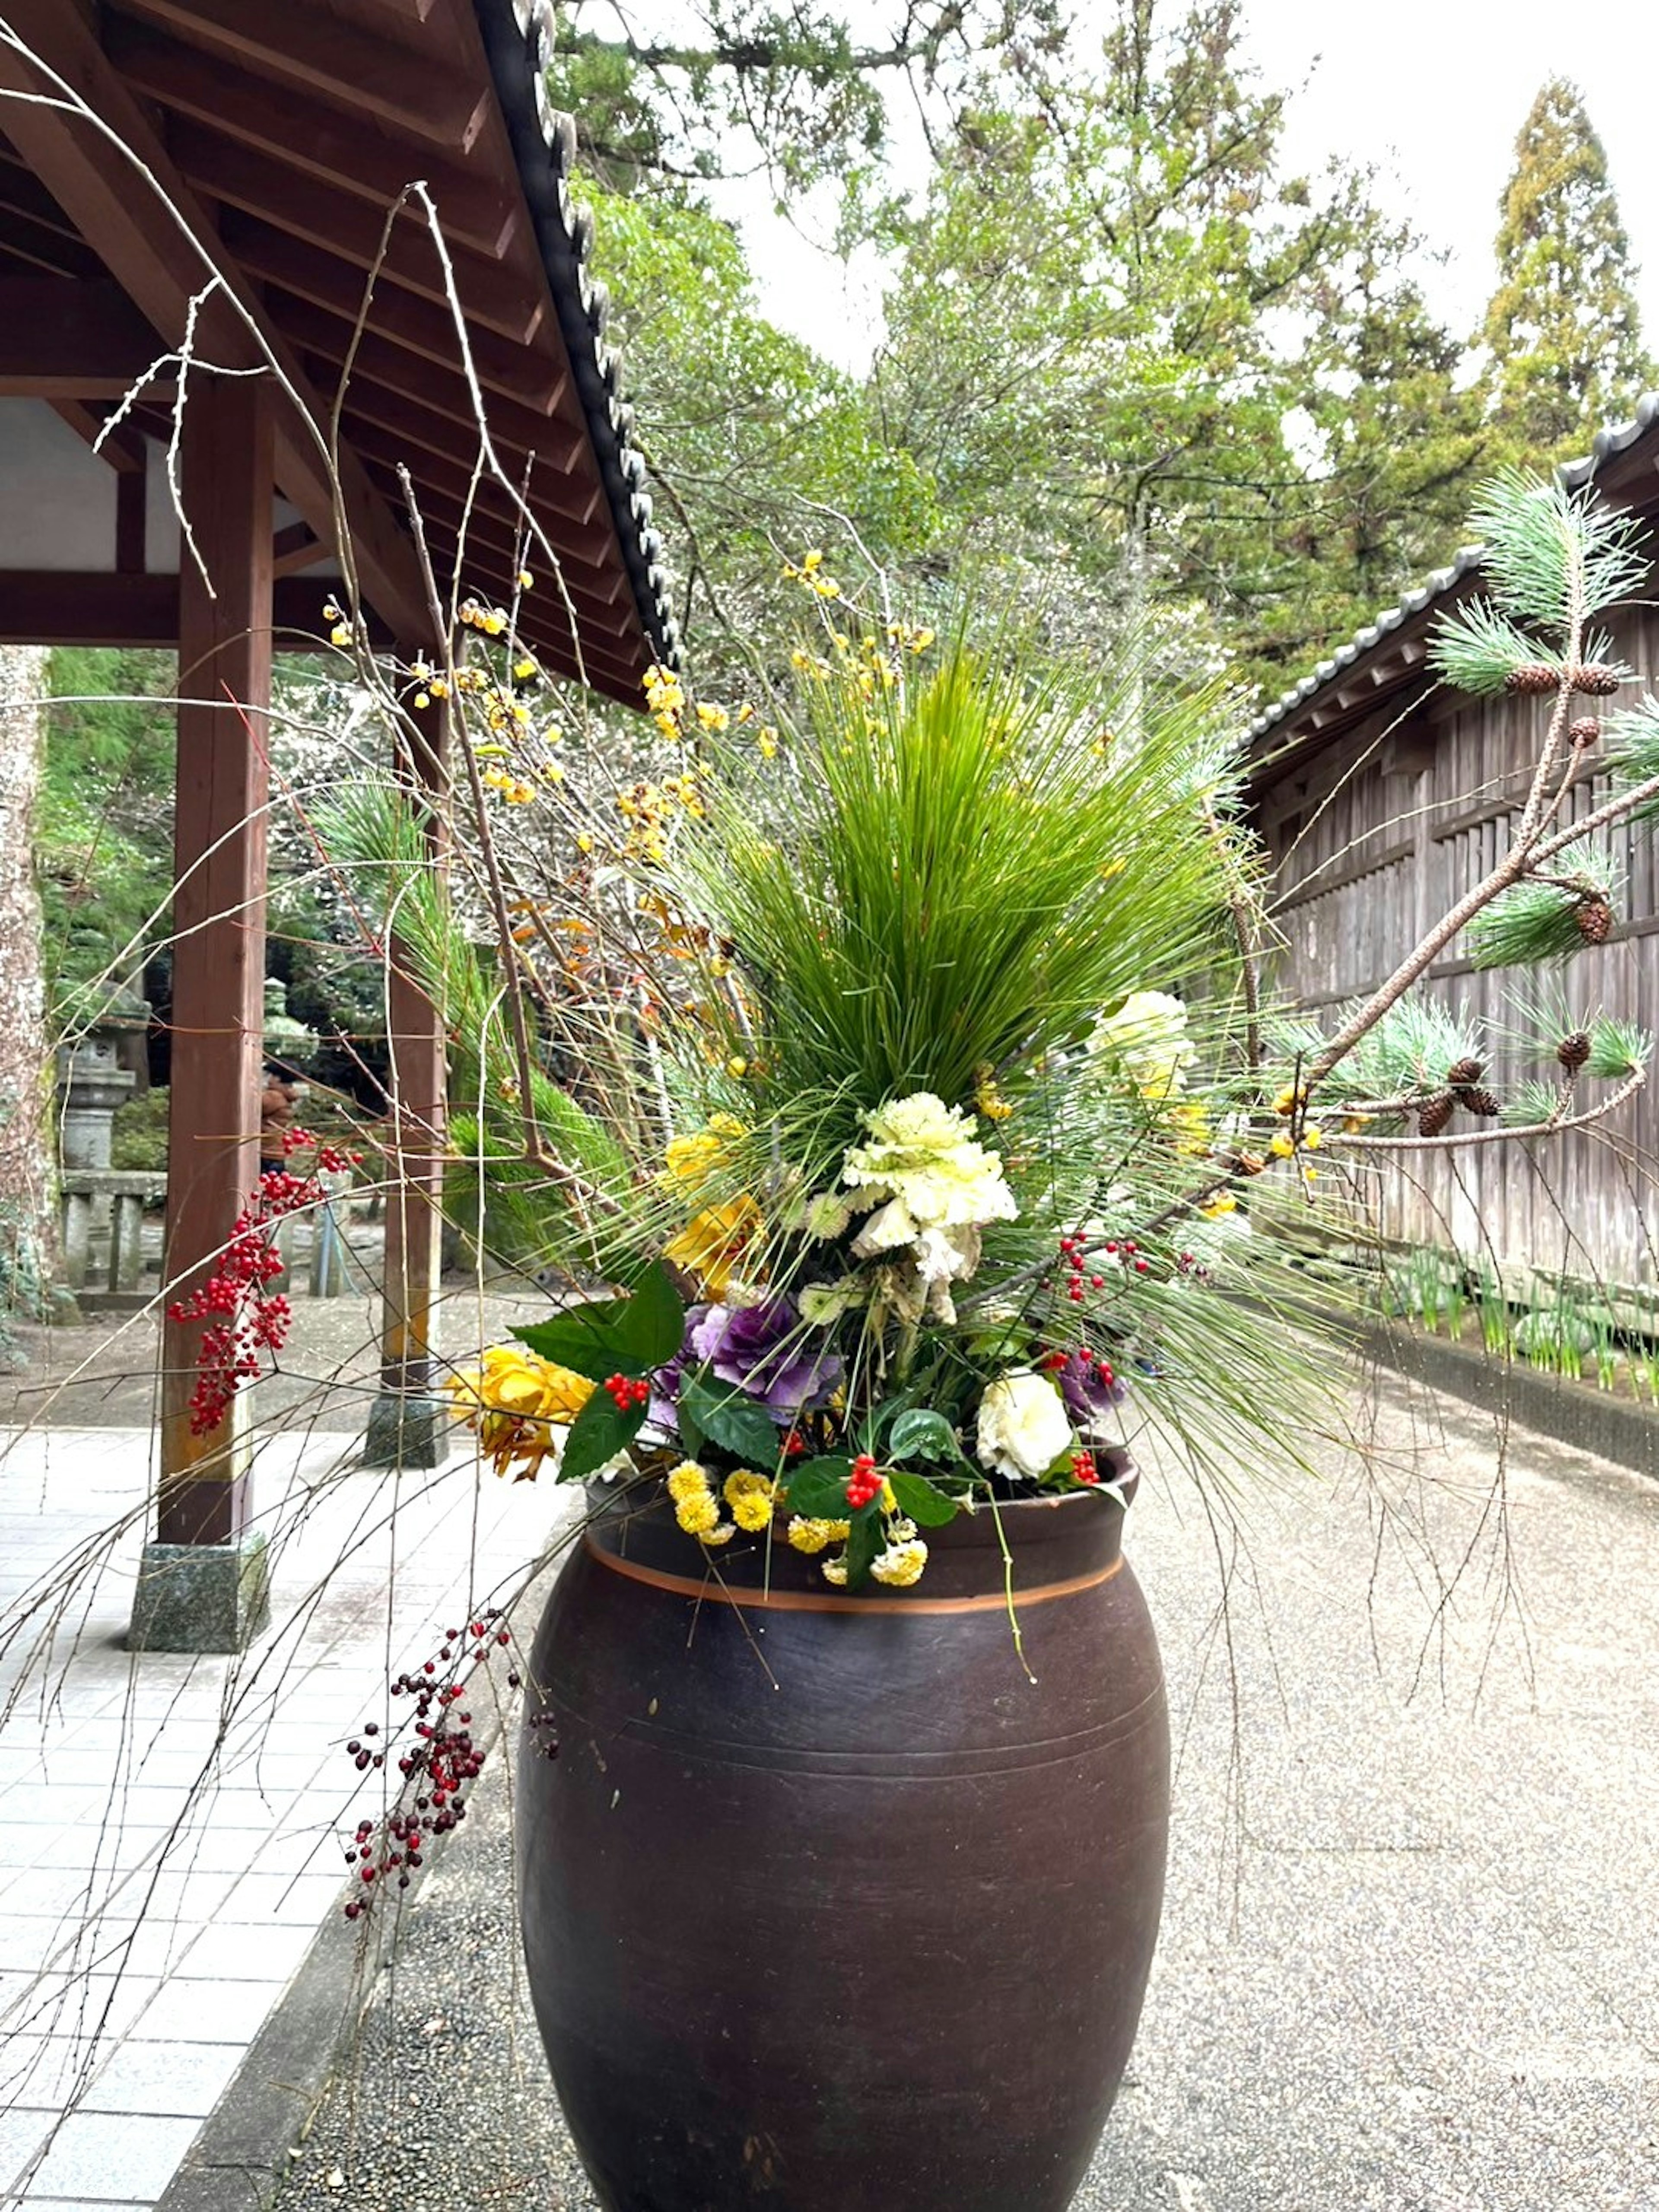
x: 712, y: 1244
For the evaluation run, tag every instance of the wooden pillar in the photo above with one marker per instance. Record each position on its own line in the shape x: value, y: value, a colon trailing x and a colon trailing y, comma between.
x: 409, y: 1424
x: 218, y: 976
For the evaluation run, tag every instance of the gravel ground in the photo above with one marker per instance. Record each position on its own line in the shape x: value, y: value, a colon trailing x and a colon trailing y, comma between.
x: 1410, y: 1960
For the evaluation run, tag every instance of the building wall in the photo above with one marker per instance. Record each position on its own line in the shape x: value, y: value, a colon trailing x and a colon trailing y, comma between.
x: 1371, y: 842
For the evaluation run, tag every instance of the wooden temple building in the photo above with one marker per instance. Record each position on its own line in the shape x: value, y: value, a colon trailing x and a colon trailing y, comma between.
x: 212, y: 179
x: 1382, y: 796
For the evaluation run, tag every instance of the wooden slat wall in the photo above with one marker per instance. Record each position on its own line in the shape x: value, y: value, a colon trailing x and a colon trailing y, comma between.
x: 1365, y: 861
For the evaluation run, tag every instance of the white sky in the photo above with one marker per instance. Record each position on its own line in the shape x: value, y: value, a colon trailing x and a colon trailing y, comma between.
x: 1433, y: 91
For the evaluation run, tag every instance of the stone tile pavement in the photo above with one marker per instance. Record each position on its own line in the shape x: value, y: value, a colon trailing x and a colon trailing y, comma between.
x: 169, y: 1826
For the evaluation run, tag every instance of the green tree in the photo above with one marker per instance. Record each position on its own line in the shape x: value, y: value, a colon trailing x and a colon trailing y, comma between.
x: 799, y: 90
x: 1562, y: 328
x: 1125, y: 342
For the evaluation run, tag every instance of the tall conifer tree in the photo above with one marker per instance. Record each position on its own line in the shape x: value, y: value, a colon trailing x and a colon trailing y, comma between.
x: 1562, y: 328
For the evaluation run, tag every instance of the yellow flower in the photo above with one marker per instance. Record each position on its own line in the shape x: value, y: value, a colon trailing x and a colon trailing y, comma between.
x: 900, y: 1564
x: 1222, y: 1202
x: 1281, y: 1146
x: 686, y: 1480
x: 694, y: 1159
x: 835, y: 1571
x: 766, y: 738
x: 712, y: 1244
x: 711, y: 716
x: 1311, y: 1141
x: 514, y: 1399
x: 986, y: 1097
x: 698, y: 1517
x: 813, y: 1536
x: 750, y: 1495
x: 1191, y: 1120
x: 1288, y: 1100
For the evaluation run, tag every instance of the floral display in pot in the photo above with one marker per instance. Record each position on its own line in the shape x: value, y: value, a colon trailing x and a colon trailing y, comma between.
x: 813, y: 1913
x: 954, y: 1144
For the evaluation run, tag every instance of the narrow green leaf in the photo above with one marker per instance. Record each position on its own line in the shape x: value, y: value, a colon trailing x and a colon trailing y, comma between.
x: 598, y: 1434
x: 928, y: 1507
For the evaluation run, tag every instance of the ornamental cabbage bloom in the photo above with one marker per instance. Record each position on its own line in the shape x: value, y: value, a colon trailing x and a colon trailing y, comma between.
x: 923, y: 1157
x: 759, y: 1350
x: 1023, y: 1425
x: 1148, y: 1036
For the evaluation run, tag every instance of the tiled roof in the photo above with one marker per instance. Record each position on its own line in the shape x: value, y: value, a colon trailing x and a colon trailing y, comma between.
x: 1573, y: 474
x: 518, y: 37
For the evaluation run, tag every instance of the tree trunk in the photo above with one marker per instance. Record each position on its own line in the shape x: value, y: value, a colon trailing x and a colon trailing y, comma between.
x: 27, y: 1224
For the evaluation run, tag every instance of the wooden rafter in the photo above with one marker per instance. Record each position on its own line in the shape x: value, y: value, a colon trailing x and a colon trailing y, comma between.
x: 163, y: 259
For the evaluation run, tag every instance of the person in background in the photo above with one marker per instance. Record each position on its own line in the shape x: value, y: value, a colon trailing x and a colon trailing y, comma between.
x: 277, y: 1104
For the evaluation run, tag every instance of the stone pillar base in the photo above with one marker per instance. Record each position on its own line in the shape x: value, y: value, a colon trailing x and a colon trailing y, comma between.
x: 201, y: 1597
x: 408, y: 1431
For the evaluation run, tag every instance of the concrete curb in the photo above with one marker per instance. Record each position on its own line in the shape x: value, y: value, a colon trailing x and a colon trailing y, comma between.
x: 240, y: 2159
x: 1589, y: 1420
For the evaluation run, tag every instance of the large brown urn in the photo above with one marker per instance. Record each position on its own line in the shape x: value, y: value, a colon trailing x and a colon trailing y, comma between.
x: 827, y: 1906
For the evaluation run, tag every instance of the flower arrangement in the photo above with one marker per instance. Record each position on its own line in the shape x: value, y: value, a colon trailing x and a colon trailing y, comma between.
x: 904, y: 1247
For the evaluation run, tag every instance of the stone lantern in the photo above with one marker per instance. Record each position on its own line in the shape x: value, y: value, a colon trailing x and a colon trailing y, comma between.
x: 287, y: 1043
x: 91, y: 1083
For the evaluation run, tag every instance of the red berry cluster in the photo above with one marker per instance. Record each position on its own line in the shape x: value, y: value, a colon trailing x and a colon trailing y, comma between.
x: 246, y: 1319
x: 331, y: 1159
x: 1074, y: 1258
x: 1084, y: 1468
x: 626, y: 1392
x: 864, y: 1483
x: 439, y: 1764
x: 794, y: 1445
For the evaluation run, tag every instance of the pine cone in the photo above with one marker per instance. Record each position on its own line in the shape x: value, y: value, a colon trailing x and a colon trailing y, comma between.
x: 1585, y: 731
x: 1434, y: 1117
x: 1573, y: 1051
x: 1596, y: 680
x: 1463, y: 1073
x: 1595, y: 920
x: 1533, y: 676
x: 1483, y: 1102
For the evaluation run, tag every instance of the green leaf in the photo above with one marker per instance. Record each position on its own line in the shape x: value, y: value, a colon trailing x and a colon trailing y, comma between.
x: 735, y: 1423
x: 598, y: 1434
x: 614, y: 1336
x: 817, y: 1489
x: 928, y: 1507
x: 922, y: 1433
x: 864, y: 1540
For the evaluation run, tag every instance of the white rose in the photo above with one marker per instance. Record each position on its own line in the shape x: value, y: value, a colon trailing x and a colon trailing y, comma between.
x: 1023, y: 1425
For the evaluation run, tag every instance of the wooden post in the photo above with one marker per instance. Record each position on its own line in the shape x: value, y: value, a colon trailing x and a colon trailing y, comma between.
x: 409, y: 1424
x: 214, y: 1600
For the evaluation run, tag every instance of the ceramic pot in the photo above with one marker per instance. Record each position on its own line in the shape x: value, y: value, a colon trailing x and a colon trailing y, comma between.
x: 827, y: 1906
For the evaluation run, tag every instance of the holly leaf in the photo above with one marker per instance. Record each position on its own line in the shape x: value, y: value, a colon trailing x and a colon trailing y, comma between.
x: 598, y: 1432
x: 928, y: 1507
x: 921, y: 1433
x: 816, y: 1489
x: 726, y: 1418
x: 614, y: 1336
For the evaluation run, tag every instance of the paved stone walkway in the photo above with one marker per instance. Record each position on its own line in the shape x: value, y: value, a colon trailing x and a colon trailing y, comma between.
x: 170, y: 1826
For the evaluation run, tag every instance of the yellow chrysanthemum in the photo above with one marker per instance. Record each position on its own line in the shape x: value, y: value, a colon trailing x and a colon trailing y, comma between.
x: 712, y: 1244
x: 698, y: 1517
x: 900, y: 1564
x: 812, y: 1535
x: 688, y: 1479
x: 749, y: 1497
x: 835, y: 1571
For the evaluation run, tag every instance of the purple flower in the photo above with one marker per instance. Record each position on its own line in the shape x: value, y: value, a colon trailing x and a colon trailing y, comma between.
x: 760, y: 1350
x: 660, y: 1414
x: 1089, y: 1388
